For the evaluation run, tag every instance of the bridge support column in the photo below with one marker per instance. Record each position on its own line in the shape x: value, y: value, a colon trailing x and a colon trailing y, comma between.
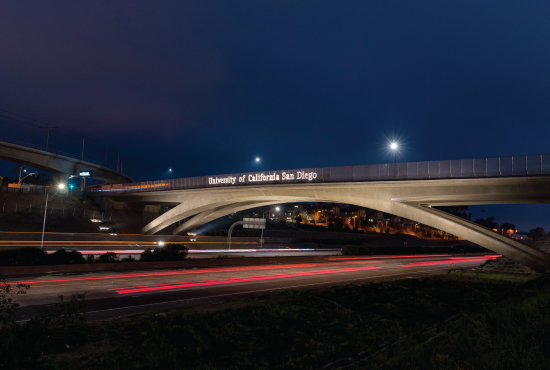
x: 508, y: 247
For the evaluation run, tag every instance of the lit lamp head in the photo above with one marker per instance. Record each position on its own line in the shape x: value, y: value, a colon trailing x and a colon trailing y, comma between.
x: 170, y: 169
x: 393, y: 146
x: 61, y: 186
x: 257, y: 159
x: 277, y: 209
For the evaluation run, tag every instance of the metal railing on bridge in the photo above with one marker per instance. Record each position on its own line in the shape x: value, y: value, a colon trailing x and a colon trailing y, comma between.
x: 66, y: 154
x: 525, y: 165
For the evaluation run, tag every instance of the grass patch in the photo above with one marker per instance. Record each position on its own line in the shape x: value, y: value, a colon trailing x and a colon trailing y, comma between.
x: 494, y: 276
x: 459, y: 320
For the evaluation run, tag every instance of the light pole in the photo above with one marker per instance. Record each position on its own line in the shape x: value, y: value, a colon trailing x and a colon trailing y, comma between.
x: 394, y: 147
x: 20, y: 168
x: 258, y: 160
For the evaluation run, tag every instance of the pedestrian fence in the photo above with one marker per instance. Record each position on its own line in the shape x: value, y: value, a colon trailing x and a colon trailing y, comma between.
x: 524, y: 165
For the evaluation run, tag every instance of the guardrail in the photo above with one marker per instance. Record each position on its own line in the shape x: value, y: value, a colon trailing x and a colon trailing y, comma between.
x: 526, y: 165
x: 58, y: 152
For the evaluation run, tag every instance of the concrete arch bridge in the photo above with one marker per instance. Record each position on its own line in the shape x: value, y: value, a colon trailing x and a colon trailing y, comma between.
x: 408, y: 190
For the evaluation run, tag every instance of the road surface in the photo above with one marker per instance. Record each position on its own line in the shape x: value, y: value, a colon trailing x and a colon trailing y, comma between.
x: 113, y: 294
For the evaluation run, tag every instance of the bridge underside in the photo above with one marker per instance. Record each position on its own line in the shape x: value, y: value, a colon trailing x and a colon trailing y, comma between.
x: 408, y: 199
x: 61, y: 166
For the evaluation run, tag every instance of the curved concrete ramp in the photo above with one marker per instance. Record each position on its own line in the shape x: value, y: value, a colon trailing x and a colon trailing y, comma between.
x: 61, y: 166
x: 408, y: 199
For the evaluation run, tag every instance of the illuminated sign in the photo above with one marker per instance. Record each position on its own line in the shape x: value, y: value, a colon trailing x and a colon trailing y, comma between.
x: 277, y: 176
x: 86, y: 174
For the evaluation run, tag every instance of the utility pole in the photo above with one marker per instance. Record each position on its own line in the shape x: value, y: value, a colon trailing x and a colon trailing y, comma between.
x: 20, y: 168
x: 44, y: 226
x: 83, y: 148
x: 47, y: 137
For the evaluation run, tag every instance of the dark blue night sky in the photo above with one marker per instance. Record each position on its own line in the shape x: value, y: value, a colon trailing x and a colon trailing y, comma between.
x: 205, y: 86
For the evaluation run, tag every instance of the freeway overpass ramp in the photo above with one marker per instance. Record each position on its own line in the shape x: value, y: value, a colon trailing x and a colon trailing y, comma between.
x: 62, y: 165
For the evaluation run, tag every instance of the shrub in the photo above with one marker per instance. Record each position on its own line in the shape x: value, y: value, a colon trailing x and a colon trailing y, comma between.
x: 356, y: 250
x: 170, y: 252
x: 147, y: 256
x: 64, y: 257
x: 27, y: 256
x: 128, y: 259
x: 107, y: 257
x: 90, y: 258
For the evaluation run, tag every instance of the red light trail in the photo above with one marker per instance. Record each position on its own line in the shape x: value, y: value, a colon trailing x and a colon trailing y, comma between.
x: 443, y: 262
x: 197, y: 271
x: 241, y: 280
x: 387, y: 257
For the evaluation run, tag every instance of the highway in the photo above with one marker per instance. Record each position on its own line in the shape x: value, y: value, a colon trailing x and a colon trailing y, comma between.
x: 114, y: 294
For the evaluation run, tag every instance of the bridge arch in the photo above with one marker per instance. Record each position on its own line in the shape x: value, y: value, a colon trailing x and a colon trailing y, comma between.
x: 411, y: 199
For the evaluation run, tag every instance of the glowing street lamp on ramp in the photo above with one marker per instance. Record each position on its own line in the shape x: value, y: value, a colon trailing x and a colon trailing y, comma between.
x: 394, y: 146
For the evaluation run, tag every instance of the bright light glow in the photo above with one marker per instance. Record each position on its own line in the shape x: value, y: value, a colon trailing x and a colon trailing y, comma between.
x: 393, y: 146
x: 112, y: 234
x: 95, y: 220
x: 277, y: 208
x: 103, y: 228
x: 61, y: 186
x: 161, y: 243
x: 257, y: 159
x: 170, y: 169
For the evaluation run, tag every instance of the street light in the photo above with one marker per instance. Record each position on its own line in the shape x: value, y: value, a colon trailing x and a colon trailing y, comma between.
x: 171, y: 173
x: 20, y: 168
x: 258, y: 160
x: 394, y: 147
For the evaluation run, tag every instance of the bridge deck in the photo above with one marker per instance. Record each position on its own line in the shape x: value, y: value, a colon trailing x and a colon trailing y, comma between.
x: 525, y: 165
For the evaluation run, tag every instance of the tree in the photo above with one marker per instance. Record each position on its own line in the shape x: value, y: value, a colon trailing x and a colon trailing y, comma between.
x: 507, y: 226
x: 488, y: 222
x: 536, y: 233
x: 40, y: 178
x: 459, y: 211
x: 1, y: 180
x: 299, y: 219
x: 170, y: 252
x: 108, y: 257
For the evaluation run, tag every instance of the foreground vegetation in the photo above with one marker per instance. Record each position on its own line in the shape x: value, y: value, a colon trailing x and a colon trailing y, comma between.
x: 455, y: 321
x: 32, y: 256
